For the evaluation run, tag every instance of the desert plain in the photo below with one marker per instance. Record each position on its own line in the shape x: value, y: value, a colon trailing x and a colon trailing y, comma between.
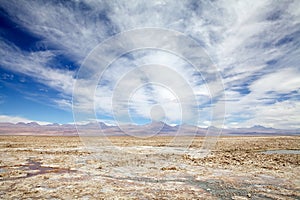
x: 246, y: 167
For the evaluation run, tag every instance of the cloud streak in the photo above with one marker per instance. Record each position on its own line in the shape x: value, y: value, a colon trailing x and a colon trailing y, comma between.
x: 17, y: 119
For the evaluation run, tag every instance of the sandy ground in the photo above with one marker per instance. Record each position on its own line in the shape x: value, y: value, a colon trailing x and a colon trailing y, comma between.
x: 151, y: 168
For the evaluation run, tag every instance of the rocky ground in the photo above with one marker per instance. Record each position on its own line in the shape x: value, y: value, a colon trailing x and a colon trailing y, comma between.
x: 150, y: 168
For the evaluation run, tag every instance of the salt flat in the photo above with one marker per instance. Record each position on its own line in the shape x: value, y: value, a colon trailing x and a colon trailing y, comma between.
x: 135, y: 168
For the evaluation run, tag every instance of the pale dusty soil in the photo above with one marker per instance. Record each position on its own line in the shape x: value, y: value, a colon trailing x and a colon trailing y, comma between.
x: 64, y: 168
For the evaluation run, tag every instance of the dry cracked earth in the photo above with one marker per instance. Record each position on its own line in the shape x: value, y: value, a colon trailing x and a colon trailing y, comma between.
x: 34, y: 167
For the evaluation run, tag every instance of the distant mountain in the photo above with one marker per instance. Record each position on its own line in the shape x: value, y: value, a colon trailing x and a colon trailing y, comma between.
x: 6, y: 124
x: 21, y: 124
x: 258, y: 127
x: 260, y: 130
x: 153, y: 128
x: 33, y: 124
x: 158, y: 126
x: 53, y: 125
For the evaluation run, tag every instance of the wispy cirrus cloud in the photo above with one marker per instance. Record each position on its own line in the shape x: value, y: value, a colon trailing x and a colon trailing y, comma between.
x: 36, y: 65
x: 255, y: 46
x: 75, y: 27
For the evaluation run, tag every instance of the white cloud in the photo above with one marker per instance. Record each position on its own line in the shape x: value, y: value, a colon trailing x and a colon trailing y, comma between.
x: 282, y: 115
x: 282, y: 81
x: 16, y: 119
x: 74, y: 27
x: 273, y: 101
x: 35, y: 65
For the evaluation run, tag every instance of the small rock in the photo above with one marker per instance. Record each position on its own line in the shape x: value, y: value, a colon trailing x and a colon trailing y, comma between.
x: 168, y: 168
x: 249, y: 195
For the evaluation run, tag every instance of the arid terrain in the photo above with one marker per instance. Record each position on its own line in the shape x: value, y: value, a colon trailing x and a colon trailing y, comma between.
x: 43, y: 167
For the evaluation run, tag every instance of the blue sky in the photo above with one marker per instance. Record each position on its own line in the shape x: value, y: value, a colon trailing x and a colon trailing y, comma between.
x: 255, y: 45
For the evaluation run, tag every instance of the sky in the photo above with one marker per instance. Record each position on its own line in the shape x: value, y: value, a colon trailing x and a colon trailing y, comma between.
x: 252, y: 46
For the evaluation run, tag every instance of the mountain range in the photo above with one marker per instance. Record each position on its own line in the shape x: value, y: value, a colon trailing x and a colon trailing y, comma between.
x: 155, y: 128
